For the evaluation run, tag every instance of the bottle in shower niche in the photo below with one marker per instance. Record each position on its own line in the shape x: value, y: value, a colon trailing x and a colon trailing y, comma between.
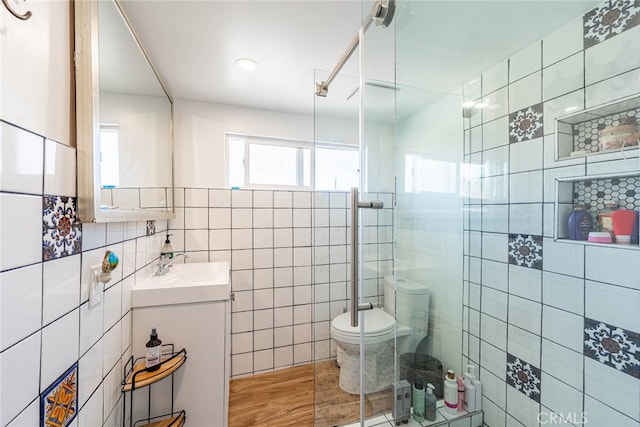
x: 152, y: 359
x: 579, y: 223
x: 451, y: 392
x: 430, y: 403
x: 418, y: 400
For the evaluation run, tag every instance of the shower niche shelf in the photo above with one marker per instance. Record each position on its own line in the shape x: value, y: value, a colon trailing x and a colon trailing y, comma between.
x: 578, y: 133
x: 592, y: 191
x: 138, y: 377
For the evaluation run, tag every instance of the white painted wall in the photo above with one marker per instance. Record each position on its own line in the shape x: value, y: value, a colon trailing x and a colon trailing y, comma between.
x: 200, y: 129
x: 145, y: 145
x: 35, y: 82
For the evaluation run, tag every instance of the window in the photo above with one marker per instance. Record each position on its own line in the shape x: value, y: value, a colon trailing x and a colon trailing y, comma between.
x: 336, y: 167
x: 109, y: 156
x: 258, y: 162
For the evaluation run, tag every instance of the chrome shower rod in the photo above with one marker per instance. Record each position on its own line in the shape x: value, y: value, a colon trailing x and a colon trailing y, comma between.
x: 382, y: 12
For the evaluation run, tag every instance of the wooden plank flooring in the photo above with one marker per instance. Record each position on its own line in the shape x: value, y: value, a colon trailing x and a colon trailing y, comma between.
x: 276, y: 399
x: 286, y: 398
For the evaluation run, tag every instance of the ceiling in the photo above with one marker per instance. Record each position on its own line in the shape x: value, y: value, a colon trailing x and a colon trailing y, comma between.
x: 435, y: 45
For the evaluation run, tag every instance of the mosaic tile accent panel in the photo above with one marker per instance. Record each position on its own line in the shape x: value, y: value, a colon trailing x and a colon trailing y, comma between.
x: 61, y: 230
x: 592, y: 194
x: 151, y: 227
x: 59, y: 402
x: 609, y: 19
x: 524, y: 377
x: 526, y: 124
x: 586, y: 134
x: 612, y: 346
x: 525, y: 250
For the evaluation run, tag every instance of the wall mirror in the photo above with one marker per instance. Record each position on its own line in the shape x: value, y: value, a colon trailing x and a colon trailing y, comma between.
x: 123, y: 116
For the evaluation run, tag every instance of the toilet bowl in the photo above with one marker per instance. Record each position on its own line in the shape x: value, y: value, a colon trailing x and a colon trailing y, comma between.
x: 380, y: 328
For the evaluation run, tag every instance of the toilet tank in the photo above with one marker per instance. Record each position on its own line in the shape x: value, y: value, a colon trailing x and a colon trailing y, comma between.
x: 411, y: 300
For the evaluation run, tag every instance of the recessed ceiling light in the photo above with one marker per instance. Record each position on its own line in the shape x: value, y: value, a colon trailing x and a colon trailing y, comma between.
x: 246, y: 64
x: 468, y: 104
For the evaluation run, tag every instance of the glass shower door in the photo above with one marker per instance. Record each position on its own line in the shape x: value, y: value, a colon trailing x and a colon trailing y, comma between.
x: 354, y: 365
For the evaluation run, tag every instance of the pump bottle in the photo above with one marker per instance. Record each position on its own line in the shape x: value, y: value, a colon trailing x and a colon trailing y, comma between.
x: 451, y: 392
x: 167, y: 249
x: 152, y: 359
x: 477, y: 384
x: 430, y: 404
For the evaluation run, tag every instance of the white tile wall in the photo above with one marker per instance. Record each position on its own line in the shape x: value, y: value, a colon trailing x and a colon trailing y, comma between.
x: 59, y: 348
x: 21, y: 156
x: 21, y: 303
x: 538, y: 314
x: 288, y: 249
x: 20, y: 382
x: 525, y: 62
x: 525, y: 92
x: 46, y: 325
x: 495, y: 78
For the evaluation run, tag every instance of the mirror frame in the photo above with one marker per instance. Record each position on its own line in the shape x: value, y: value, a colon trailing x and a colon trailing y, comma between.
x: 88, y: 121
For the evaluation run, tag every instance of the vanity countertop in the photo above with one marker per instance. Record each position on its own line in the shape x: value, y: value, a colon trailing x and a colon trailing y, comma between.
x: 183, y: 284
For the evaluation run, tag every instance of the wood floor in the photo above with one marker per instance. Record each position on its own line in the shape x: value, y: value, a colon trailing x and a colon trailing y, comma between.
x: 291, y: 397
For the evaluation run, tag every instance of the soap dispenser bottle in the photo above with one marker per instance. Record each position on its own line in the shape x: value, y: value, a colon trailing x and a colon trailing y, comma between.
x: 430, y: 404
x: 152, y: 359
x: 167, y: 249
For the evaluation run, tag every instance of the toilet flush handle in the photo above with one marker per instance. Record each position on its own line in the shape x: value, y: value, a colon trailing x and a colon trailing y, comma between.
x: 355, y: 205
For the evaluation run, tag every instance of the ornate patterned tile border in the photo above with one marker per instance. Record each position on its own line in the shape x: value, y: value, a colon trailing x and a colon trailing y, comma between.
x: 524, y: 377
x: 526, y: 124
x: 525, y: 250
x: 609, y: 19
x: 61, y: 230
x: 612, y: 346
x: 59, y: 402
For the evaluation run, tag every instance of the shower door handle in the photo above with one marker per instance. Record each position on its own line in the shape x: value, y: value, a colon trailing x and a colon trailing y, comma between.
x: 355, y: 205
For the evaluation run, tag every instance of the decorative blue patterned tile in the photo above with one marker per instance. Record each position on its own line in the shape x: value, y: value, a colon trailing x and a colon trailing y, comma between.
x: 612, y: 346
x: 52, y: 209
x: 524, y: 377
x: 59, y: 402
x: 611, y: 18
x: 526, y: 124
x: 52, y: 244
x: 525, y: 250
x: 73, y: 240
x: 61, y: 234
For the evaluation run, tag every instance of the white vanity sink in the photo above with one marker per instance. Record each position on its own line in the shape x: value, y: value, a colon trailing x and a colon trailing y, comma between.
x: 190, y: 307
x: 184, y: 283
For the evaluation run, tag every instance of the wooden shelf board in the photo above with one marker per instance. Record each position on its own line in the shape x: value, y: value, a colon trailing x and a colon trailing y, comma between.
x: 177, y: 421
x: 144, y: 378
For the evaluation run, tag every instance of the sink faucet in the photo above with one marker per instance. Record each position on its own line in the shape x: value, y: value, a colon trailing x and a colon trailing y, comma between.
x: 164, y: 263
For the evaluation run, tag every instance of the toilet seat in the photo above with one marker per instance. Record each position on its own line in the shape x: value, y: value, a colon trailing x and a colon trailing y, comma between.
x: 379, y: 327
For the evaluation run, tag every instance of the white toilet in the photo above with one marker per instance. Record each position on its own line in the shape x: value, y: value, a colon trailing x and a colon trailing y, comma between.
x: 380, y: 329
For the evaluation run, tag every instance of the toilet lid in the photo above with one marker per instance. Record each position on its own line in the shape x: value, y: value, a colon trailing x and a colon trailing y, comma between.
x: 376, y: 322
x: 407, y: 286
